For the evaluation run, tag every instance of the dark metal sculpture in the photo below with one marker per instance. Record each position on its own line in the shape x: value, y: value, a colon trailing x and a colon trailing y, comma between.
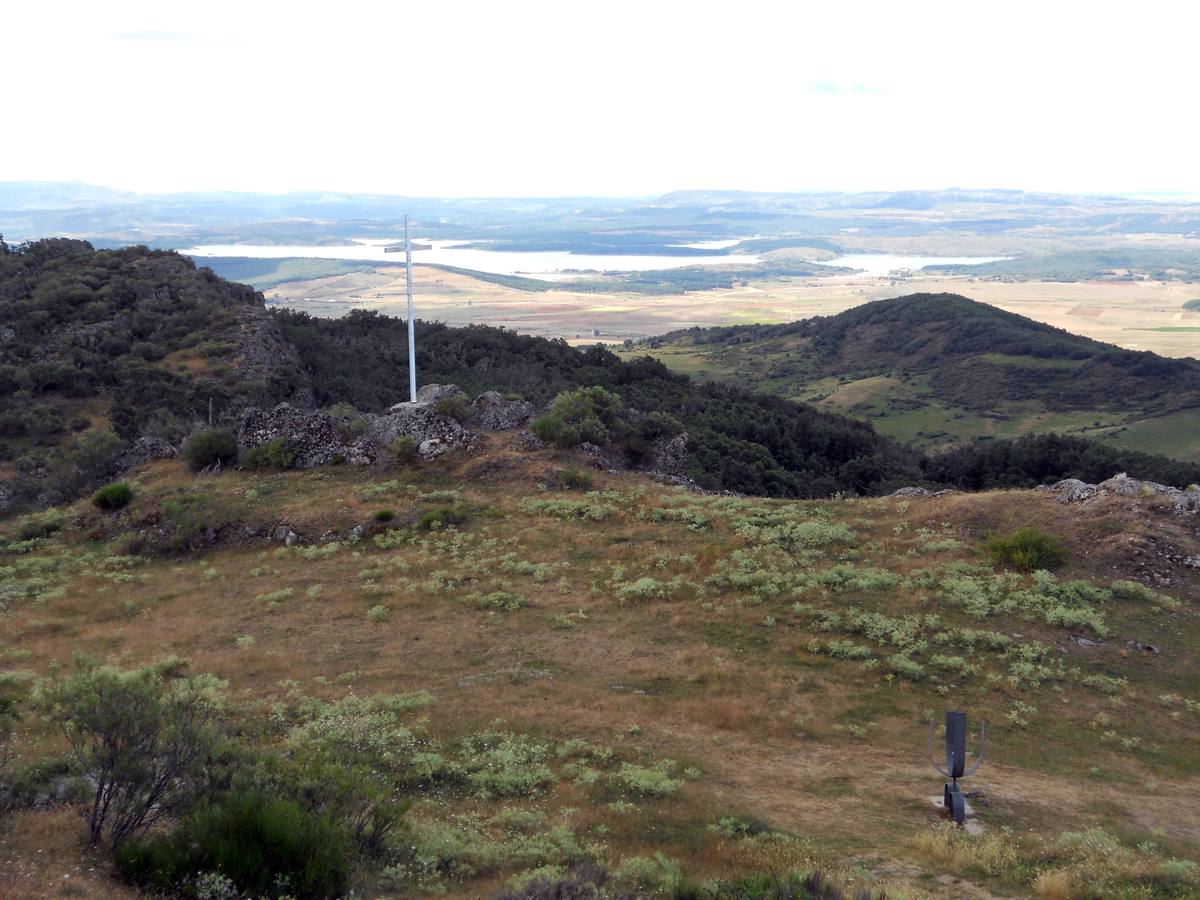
x: 956, y: 760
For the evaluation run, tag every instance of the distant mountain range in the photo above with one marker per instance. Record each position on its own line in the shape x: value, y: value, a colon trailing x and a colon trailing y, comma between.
x: 39, y: 209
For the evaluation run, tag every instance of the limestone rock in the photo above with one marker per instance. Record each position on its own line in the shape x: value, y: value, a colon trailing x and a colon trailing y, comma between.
x: 492, y: 412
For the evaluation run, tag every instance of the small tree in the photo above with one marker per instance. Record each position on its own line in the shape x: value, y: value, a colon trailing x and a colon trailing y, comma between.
x: 139, y: 736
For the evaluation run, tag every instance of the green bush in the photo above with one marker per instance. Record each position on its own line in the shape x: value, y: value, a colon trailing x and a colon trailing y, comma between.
x: 266, y: 846
x: 40, y: 526
x: 383, y: 515
x: 450, y: 516
x: 1026, y: 549
x: 456, y: 406
x: 113, y: 496
x: 274, y: 454
x: 215, y: 446
x: 585, y: 414
x: 571, y: 477
x: 404, y: 449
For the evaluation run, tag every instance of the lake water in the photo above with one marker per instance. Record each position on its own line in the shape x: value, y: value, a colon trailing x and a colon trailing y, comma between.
x: 883, y: 264
x: 548, y: 265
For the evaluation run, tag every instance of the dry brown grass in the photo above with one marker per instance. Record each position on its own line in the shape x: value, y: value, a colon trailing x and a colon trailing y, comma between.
x: 705, y: 682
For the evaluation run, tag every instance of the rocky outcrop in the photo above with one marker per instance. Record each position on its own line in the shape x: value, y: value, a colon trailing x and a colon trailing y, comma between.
x: 144, y: 450
x: 432, y: 393
x: 420, y: 422
x: 491, y: 411
x: 5, y: 496
x: 310, y: 435
x: 668, y: 456
x: 1072, y: 490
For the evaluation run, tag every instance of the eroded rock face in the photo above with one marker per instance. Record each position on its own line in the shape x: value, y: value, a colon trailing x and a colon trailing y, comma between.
x: 492, y: 412
x: 311, y: 435
x: 432, y: 432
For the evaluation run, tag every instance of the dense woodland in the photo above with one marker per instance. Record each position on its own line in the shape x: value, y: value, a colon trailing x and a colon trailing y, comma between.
x: 99, y: 347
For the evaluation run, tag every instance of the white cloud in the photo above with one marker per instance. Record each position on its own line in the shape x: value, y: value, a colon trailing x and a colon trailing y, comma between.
x: 527, y: 98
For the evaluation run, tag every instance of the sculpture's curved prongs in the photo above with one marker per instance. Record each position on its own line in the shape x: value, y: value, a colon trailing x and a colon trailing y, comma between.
x: 982, y: 749
x: 932, y: 758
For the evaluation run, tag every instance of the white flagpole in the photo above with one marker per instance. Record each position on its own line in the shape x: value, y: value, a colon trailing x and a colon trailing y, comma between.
x: 412, y: 340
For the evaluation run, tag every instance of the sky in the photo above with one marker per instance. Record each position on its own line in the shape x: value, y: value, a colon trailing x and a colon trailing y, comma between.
x: 512, y: 98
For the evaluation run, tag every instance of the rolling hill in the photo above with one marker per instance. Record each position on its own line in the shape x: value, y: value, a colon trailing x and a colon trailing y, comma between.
x: 932, y: 369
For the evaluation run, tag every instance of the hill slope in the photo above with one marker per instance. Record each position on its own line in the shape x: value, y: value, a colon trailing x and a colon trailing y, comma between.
x: 98, y: 348
x: 740, y: 685
x: 934, y: 368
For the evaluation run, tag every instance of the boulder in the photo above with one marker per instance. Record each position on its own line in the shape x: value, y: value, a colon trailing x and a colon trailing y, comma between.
x: 432, y: 432
x: 5, y: 496
x: 432, y: 393
x: 1124, y: 486
x: 491, y: 411
x: 310, y: 435
x: 912, y: 492
x: 1072, y: 490
x: 286, y: 536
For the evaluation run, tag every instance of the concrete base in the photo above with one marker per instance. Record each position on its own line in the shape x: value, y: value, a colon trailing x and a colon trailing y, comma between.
x: 971, y: 823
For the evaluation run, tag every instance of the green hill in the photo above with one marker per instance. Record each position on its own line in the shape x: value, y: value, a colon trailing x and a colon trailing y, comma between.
x: 932, y: 369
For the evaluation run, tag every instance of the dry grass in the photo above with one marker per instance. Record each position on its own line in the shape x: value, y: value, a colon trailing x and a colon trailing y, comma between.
x: 816, y: 747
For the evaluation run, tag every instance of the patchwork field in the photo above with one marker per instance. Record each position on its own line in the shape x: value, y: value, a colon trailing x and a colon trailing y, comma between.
x: 1136, y: 315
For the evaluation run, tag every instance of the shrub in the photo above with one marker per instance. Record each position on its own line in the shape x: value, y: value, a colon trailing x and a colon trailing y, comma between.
x: 40, y: 526
x: 113, y: 496
x: 213, y: 447
x: 585, y: 414
x: 274, y: 454
x: 139, y: 736
x: 383, y: 515
x: 404, y: 449
x: 455, y: 406
x: 571, y: 477
x: 650, y: 782
x: 1026, y: 549
x: 265, y: 846
x: 377, y: 613
x: 449, y: 516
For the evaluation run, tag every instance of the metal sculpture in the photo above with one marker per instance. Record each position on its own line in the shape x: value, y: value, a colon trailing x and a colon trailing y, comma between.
x: 956, y: 761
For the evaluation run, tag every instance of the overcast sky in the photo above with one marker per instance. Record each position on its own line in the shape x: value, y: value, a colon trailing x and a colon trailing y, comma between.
x: 495, y: 98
